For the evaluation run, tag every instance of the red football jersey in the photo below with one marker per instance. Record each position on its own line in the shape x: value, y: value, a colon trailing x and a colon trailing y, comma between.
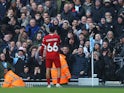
x: 51, y: 44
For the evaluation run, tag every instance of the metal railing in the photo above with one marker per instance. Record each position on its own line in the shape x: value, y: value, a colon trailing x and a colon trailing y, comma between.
x: 43, y: 82
x: 119, y: 60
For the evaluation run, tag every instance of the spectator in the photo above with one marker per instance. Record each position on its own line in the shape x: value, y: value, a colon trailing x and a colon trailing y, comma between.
x: 75, y: 26
x: 81, y: 40
x: 59, y: 17
x: 19, y: 4
x: 19, y: 61
x: 98, y: 39
x: 64, y: 31
x: 15, y: 8
x: 108, y: 8
x: 46, y: 25
x: 45, y: 15
x: 80, y: 64
x: 26, y: 74
x: 103, y: 27
x: 93, y: 28
x: 118, y: 48
x: 23, y: 36
x: 67, y: 14
x: 3, y: 30
x: 40, y: 9
x: 119, y: 27
x: 38, y: 18
x: 6, y: 40
x: 33, y: 9
x: 97, y: 9
x: 78, y: 10
x: 4, y: 5
x: 110, y: 39
x: 88, y: 14
x: 10, y: 13
x: 72, y: 44
x: 16, y: 33
x: 88, y: 21
x: 81, y: 37
x: 18, y: 44
x: 12, y: 48
x: 38, y: 40
x: 87, y: 49
x: 87, y: 5
x: 25, y: 10
x: 86, y: 33
x: 4, y: 63
x: 37, y: 73
x: 110, y: 67
x: 105, y: 48
x: 109, y: 21
x: 13, y: 23
x: 50, y: 9
x: 83, y: 22
x: 99, y: 66
x: 32, y: 29
x: 55, y: 24
x: 32, y: 62
x: 97, y: 47
x: 23, y: 20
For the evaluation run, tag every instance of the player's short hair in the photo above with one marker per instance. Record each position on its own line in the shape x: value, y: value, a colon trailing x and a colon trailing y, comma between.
x: 52, y: 29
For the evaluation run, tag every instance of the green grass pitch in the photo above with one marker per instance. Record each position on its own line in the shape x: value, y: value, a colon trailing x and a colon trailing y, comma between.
x: 62, y: 90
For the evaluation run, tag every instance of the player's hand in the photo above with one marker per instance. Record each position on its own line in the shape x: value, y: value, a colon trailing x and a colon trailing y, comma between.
x: 42, y: 58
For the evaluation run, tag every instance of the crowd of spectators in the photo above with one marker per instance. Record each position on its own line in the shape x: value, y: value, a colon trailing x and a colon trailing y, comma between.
x: 24, y: 23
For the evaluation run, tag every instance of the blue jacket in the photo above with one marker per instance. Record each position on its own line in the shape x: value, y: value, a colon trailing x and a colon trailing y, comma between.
x: 32, y: 31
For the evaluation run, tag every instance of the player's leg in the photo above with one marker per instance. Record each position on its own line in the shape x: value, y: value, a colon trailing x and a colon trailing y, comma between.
x: 48, y: 68
x: 58, y: 66
x: 48, y: 77
x: 58, y: 74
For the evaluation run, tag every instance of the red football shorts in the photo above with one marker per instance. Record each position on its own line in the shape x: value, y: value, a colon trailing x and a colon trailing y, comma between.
x: 56, y: 61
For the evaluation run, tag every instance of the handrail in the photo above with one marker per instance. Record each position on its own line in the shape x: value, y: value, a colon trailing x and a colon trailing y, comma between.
x: 118, y: 59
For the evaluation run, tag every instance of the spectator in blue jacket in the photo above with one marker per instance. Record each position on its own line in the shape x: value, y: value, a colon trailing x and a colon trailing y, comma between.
x: 32, y: 28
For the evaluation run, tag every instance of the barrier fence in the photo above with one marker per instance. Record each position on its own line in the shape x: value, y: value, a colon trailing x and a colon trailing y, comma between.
x: 38, y: 83
x: 119, y: 60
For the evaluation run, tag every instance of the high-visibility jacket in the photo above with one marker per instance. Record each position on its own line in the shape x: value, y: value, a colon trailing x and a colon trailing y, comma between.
x: 12, y: 80
x: 65, y: 73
